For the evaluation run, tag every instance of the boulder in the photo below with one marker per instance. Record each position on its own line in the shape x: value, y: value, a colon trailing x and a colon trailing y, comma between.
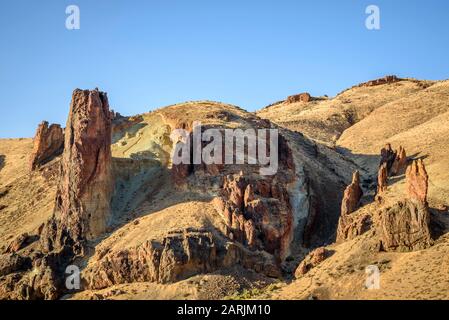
x: 311, y: 261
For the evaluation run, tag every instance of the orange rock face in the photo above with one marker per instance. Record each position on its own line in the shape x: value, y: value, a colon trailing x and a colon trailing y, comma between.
x: 48, y: 143
x: 417, y: 181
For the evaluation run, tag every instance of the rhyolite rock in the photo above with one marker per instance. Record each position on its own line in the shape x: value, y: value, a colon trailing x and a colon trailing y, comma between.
x: 302, y: 97
x: 382, y: 178
x: 47, y: 144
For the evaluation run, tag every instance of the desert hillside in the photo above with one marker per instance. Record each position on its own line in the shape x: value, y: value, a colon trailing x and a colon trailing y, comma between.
x: 103, y: 194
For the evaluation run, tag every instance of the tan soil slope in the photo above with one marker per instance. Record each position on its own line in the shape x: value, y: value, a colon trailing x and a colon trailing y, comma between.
x: 325, y: 119
x: 26, y: 198
x: 418, y: 122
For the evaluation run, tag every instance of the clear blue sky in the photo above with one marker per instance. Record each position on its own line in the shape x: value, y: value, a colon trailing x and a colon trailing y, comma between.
x: 148, y: 54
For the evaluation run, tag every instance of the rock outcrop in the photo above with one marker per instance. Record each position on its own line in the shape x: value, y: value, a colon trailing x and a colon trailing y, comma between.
x: 48, y: 143
x: 180, y: 255
x: 302, y: 97
x: 400, y: 162
x: 311, y: 261
x: 350, y: 203
x: 81, y: 205
x: 382, y: 178
x: 406, y: 225
x: 352, y: 195
x: 84, y: 194
x: 387, y: 155
x: 417, y: 181
x: 380, y: 81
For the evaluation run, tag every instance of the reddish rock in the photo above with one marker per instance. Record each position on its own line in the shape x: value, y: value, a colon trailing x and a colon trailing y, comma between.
x: 382, y: 178
x: 352, y: 195
x: 349, y: 204
x: 302, y: 97
x: 416, y: 180
x: 86, y: 184
x: 387, y: 155
x: 311, y: 261
x: 351, y: 226
x: 48, y: 143
x: 400, y: 162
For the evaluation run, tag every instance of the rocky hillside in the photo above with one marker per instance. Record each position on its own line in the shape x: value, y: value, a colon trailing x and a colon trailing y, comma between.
x: 104, y: 195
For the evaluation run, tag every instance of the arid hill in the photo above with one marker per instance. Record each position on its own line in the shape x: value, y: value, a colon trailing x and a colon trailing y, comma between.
x: 139, y: 226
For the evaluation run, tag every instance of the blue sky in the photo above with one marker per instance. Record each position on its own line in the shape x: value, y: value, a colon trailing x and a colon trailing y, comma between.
x: 147, y: 54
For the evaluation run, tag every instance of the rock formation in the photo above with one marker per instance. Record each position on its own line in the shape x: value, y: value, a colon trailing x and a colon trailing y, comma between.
x: 180, y: 255
x: 352, y: 195
x: 81, y: 205
x: 387, y: 155
x: 311, y: 261
x: 351, y: 198
x: 85, y: 191
x: 302, y: 97
x: 380, y: 81
x: 400, y: 162
x: 406, y: 225
x: 417, y: 181
x: 382, y: 178
x: 48, y: 143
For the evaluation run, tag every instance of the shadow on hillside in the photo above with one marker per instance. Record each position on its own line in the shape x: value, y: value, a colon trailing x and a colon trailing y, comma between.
x: 2, y: 161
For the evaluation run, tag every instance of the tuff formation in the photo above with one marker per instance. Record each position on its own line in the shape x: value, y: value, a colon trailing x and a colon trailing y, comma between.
x: 48, y: 143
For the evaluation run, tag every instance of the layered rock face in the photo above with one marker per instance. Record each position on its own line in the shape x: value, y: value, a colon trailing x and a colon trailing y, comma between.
x: 347, y: 227
x: 302, y: 97
x: 48, y: 143
x: 406, y: 225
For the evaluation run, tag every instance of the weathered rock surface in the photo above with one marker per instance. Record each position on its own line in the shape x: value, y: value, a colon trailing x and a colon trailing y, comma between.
x: 388, y: 156
x: 311, y: 261
x: 81, y: 205
x: 352, y: 195
x: 400, y: 162
x: 405, y: 227
x: 417, y: 181
x: 382, y: 178
x: 302, y: 97
x: 380, y: 81
x: 48, y: 143
x: 85, y: 190
x: 178, y: 256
